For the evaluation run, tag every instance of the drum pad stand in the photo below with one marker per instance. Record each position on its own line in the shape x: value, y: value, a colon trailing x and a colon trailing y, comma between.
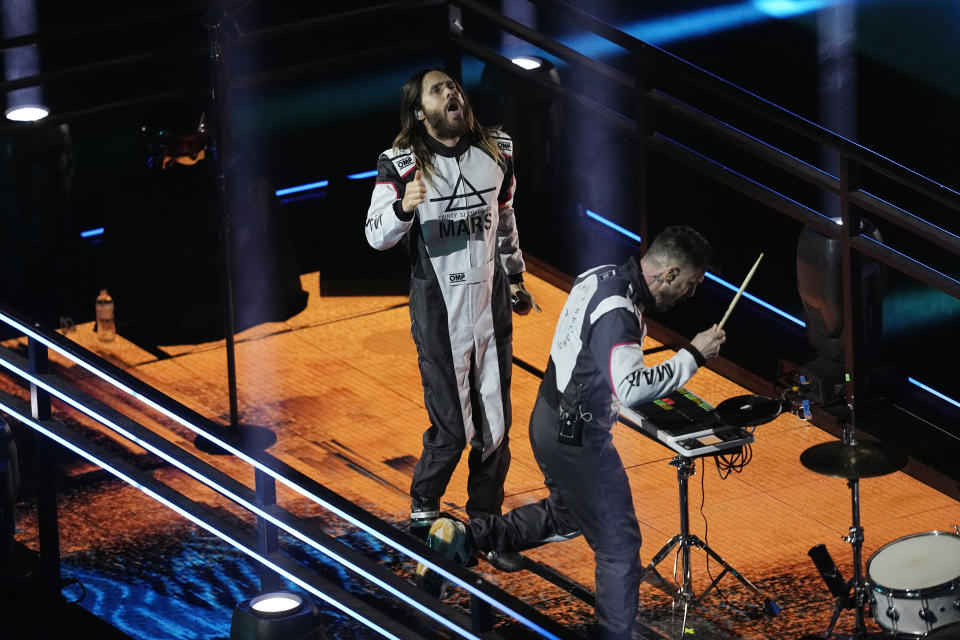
x: 684, y: 593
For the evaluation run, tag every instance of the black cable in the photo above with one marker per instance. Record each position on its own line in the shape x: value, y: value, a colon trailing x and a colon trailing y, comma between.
x: 706, y: 531
x: 733, y: 462
x: 706, y: 525
x: 727, y: 463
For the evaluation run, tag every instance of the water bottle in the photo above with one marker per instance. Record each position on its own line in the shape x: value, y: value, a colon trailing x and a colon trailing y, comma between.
x: 106, y: 328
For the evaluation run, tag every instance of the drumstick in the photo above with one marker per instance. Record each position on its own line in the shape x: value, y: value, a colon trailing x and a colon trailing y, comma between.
x: 737, y: 297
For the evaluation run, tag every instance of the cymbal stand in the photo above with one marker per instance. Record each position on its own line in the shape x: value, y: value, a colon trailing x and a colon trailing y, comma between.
x: 858, y: 583
x: 685, y: 594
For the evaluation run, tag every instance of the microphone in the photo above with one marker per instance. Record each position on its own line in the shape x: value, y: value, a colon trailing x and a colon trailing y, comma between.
x: 522, y: 302
x: 829, y: 572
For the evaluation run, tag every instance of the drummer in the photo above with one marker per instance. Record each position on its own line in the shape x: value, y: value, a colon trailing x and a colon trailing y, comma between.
x: 595, y: 366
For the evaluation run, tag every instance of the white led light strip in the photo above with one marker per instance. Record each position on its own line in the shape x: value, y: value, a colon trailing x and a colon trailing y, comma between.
x: 277, y: 476
x: 236, y: 544
x: 236, y: 498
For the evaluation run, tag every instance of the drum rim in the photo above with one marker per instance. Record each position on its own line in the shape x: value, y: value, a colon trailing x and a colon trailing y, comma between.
x: 912, y: 594
x: 916, y: 594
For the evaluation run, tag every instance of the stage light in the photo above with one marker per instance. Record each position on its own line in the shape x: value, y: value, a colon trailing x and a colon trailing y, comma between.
x: 819, y: 264
x: 696, y: 23
x: 528, y: 62
x: 27, y: 113
x: 25, y: 104
x: 276, y: 615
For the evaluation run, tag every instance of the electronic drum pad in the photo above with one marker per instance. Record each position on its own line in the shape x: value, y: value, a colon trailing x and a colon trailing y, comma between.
x: 748, y: 411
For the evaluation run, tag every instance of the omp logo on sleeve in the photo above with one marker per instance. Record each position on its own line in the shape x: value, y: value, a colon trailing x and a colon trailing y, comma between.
x: 403, y: 163
x: 457, y: 277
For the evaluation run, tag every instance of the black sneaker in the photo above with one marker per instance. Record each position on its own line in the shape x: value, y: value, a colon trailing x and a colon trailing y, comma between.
x: 449, y: 538
x: 508, y: 561
x: 423, y: 513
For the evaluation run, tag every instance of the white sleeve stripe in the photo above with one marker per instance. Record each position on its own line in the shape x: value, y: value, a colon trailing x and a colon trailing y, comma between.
x: 392, y: 186
x: 638, y: 384
x: 613, y: 386
x: 609, y: 304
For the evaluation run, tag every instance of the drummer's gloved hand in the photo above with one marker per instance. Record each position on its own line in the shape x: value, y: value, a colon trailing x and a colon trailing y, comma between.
x: 522, y: 300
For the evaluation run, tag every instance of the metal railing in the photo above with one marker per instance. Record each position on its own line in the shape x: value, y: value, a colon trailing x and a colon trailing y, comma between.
x: 650, y: 101
x: 37, y: 414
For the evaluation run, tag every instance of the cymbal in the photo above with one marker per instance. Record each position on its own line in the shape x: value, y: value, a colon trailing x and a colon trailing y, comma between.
x: 747, y: 411
x: 862, y: 460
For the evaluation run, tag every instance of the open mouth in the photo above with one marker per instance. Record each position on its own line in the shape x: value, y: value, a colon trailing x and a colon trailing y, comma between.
x: 454, y: 107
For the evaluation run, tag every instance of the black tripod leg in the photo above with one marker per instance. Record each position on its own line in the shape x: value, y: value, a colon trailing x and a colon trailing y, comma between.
x: 651, y: 574
x: 769, y: 605
x: 833, y: 619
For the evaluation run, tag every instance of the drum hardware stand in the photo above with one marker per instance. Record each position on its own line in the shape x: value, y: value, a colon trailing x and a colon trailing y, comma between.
x: 859, y: 598
x: 857, y: 583
x: 686, y: 467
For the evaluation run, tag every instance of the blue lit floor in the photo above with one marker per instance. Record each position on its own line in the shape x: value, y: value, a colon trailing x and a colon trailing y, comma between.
x: 185, y: 583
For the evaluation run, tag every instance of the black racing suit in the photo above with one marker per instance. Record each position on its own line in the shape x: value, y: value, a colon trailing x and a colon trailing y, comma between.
x: 463, y: 249
x: 596, y: 365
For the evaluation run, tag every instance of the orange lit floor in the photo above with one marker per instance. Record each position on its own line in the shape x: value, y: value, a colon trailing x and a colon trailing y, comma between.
x: 339, y: 385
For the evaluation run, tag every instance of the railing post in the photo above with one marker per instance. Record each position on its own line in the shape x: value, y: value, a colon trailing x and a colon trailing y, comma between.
x: 46, y: 477
x: 481, y: 615
x: 454, y: 62
x: 268, y: 536
x: 645, y: 127
x: 853, y: 312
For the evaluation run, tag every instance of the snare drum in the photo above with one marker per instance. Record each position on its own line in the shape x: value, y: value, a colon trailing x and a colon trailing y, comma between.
x: 915, y: 583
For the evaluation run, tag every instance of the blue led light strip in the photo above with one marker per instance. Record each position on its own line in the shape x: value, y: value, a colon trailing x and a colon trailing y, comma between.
x: 362, y: 175
x: 302, y: 187
x: 89, y: 233
x: 613, y: 225
x: 236, y: 498
x: 717, y: 279
x: 277, y: 476
x: 760, y: 302
x: 186, y: 514
x: 916, y: 382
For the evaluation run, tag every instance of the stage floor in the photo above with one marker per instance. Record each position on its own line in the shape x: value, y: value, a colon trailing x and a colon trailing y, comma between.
x: 339, y: 385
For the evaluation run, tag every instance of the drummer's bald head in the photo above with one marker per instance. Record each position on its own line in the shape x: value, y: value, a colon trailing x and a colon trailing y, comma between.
x: 684, y: 247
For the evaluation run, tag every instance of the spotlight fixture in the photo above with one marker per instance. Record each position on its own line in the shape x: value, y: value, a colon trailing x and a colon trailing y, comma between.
x: 19, y: 18
x: 27, y: 113
x: 275, y: 616
x: 530, y: 63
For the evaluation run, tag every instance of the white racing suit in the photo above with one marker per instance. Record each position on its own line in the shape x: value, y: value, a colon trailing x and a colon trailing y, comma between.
x: 595, y: 366
x: 463, y: 249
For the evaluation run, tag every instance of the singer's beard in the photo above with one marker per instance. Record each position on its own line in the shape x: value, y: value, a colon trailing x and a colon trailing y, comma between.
x: 444, y: 128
